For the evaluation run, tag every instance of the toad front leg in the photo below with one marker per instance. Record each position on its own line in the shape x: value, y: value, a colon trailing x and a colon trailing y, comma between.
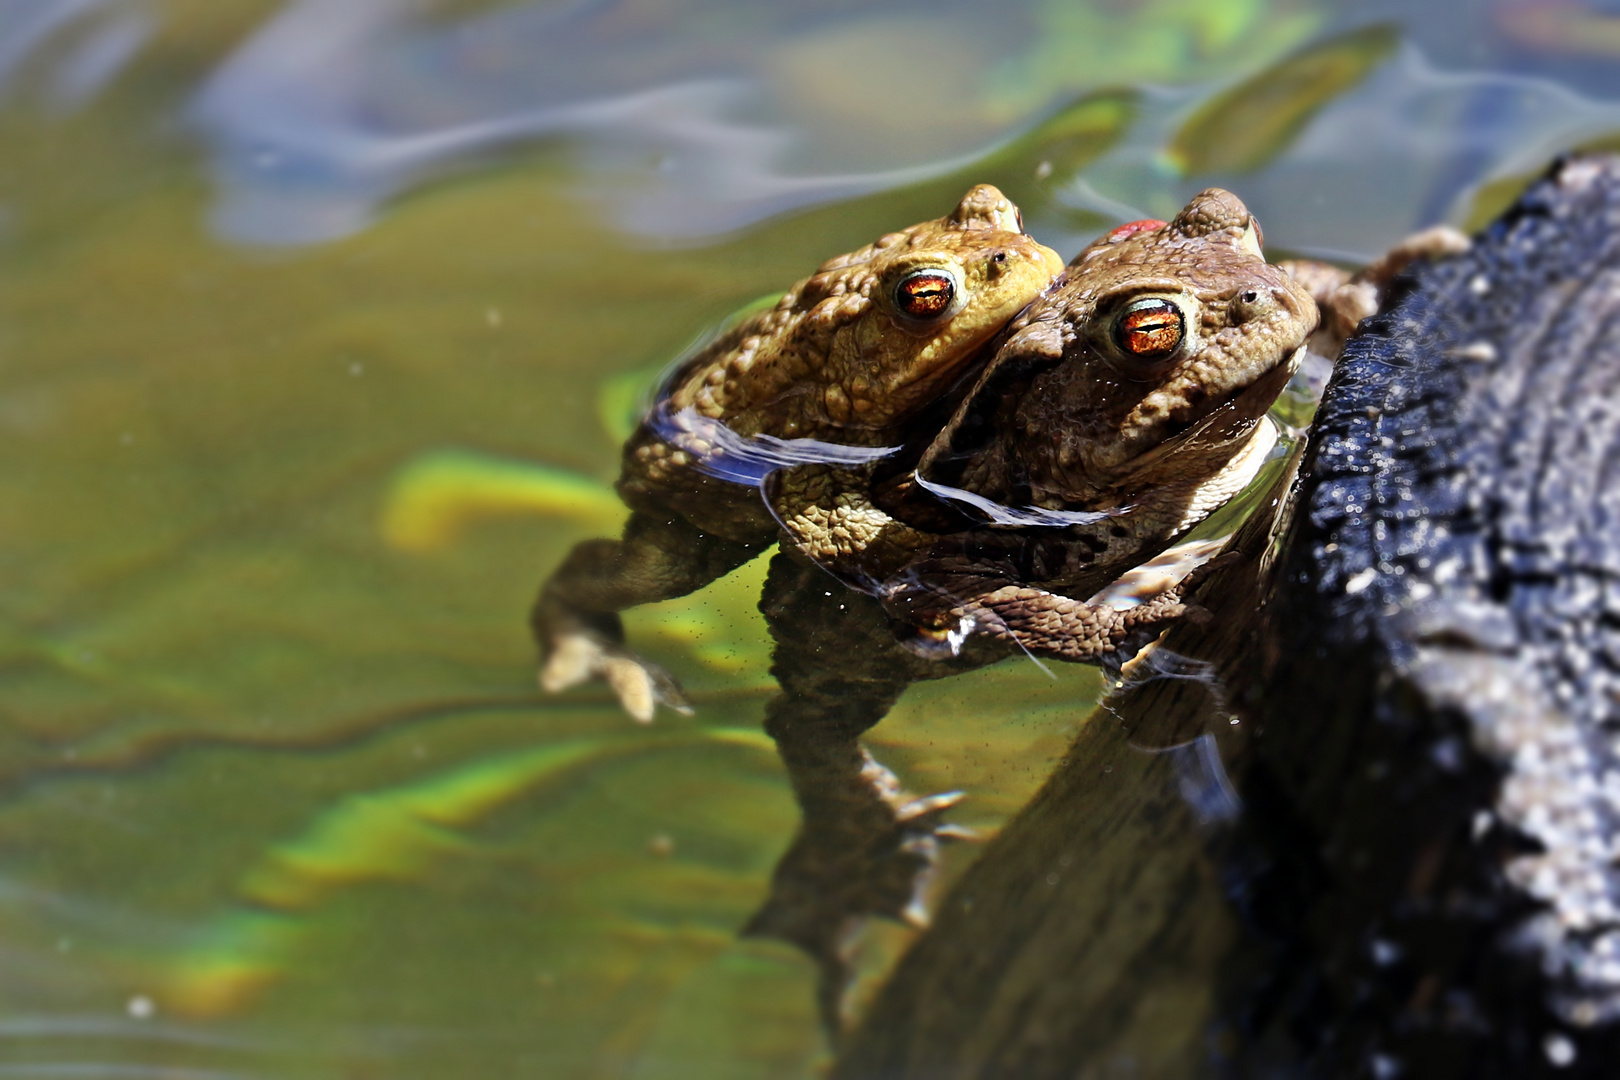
x: 1039, y: 622
x: 576, y: 621
x: 940, y: 605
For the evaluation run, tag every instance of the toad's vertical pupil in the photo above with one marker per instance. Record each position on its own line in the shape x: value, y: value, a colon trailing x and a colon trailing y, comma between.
x: 925, y: 294
x: 1150, y: 328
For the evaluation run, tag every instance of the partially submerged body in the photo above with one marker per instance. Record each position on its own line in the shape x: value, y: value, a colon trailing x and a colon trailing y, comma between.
x: 849, y: 357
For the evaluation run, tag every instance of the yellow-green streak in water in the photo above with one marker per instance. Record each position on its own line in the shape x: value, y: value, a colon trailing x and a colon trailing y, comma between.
x: 396, y: 834
x: 1245, y: 127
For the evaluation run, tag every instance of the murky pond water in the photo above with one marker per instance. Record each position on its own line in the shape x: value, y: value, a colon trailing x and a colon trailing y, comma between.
x: 321, y: 323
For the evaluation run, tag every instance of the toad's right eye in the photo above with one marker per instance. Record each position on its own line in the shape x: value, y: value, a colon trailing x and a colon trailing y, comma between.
x: 925, y: 294
x: 1150, y: 328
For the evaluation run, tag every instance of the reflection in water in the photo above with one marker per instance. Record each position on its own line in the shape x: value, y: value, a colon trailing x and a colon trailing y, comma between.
x: 1559, y: 26
x: 333, y: 108
x: 95, y: 1038
x: 725, y: 455
x: 437, y: 496
x: 1411, y: 145
x: 1247, y: 125
x: 1204, y: 782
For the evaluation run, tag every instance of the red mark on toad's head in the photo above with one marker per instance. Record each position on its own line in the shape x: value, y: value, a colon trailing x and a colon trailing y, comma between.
x: 1131, y: 228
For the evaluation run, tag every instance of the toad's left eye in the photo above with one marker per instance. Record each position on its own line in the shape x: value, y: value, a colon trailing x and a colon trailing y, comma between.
x: 1150, y: 329
x: 925, y: 294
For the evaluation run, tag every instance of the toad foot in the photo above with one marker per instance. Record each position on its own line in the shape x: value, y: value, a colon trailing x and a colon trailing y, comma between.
x: 577, y: 657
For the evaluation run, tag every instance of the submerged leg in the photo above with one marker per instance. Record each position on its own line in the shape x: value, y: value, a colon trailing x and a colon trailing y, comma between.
x: 576, y: 621
x: 865, y: 846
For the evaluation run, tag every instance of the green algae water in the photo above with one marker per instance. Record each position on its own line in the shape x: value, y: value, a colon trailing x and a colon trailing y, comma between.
x: 320, y: 326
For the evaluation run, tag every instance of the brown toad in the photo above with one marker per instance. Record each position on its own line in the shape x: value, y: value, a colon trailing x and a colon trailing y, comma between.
x: 849, y: 358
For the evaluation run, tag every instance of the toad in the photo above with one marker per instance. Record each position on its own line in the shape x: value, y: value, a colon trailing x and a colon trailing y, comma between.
x: 846, y: 361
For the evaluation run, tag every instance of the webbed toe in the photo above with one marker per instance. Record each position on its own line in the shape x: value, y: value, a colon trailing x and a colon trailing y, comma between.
x: 578, y: 656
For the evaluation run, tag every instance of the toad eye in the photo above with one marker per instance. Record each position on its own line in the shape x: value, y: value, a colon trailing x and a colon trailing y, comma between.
x: 925, y: 294
x: 1150, y: 329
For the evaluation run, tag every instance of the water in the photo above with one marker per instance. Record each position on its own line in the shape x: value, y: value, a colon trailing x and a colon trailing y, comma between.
x: 320, y: 326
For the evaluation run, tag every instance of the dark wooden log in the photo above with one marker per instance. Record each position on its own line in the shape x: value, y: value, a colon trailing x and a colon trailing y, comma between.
x: 1430, y: 838
x: 1416, y: 874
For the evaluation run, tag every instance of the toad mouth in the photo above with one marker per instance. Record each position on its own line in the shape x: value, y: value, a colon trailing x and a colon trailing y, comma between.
x: 1237, y: 412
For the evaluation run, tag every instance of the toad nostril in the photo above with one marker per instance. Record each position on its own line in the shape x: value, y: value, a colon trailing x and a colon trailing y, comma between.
x: 1250, y: 296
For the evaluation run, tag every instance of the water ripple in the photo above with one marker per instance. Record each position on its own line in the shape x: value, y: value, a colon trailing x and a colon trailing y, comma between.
x: 336, y: 106
x: 333, y: 107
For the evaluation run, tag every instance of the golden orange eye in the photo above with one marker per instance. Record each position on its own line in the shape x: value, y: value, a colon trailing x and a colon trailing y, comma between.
x: 925, y: 294
x: 1150, y: 328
